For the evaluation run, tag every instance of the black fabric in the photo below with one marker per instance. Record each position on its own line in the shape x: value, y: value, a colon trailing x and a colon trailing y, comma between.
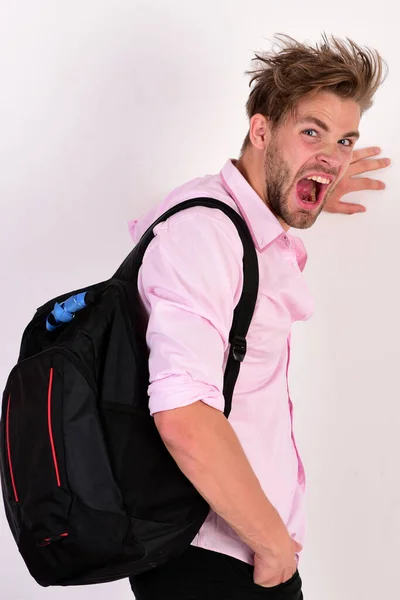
x: 90, y: 491
x: 201, y: 574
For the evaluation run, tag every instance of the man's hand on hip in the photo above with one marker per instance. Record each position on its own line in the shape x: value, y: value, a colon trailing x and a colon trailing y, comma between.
x: 278, y: 563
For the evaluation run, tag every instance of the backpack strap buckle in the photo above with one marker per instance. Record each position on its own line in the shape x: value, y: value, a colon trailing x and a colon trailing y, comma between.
x: 239, y: 348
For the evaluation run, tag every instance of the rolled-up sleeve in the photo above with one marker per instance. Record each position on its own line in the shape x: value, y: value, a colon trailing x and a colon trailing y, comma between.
x: 190, y: 282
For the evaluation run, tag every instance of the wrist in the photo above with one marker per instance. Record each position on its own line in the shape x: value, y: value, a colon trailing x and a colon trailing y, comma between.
x: 271, y: 537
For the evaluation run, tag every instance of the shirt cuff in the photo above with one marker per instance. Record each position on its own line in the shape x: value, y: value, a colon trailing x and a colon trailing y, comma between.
x: 176, y: 391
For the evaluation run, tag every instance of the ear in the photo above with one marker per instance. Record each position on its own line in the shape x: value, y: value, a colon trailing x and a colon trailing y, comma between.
x: 260, y: 131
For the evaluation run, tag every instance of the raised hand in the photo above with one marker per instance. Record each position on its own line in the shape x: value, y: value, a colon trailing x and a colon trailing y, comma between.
x: 360, y: 164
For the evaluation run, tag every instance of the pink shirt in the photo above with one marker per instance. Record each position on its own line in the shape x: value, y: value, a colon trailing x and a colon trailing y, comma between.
x: 190, y: 282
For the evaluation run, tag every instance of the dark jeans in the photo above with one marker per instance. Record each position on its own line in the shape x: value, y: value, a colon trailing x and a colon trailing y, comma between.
x: 200, y: 574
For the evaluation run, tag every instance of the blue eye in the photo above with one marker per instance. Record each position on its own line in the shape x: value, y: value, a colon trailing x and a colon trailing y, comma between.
x: 308, y: 131
x: 349, y: 142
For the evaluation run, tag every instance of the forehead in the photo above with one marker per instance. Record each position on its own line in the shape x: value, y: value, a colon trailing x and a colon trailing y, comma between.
x: 339, y: 114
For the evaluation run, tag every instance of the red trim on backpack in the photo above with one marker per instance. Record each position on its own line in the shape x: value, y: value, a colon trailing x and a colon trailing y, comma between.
x: 9, y: 449
x: 50, y: 427
x: 54, y: 538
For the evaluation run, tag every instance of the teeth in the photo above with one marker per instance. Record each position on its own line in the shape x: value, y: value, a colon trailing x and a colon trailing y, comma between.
x: 319, y: 179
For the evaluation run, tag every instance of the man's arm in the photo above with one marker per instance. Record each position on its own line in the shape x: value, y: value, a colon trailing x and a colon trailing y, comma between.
x: 207, y: 450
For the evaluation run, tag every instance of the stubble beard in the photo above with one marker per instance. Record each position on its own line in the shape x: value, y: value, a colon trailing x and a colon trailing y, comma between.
x: 279, y: 186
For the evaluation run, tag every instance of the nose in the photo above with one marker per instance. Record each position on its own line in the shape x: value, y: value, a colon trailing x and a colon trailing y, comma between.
x: 330, y: 157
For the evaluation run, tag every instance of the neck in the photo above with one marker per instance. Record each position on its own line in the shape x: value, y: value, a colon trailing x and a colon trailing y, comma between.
x: 252, y: 169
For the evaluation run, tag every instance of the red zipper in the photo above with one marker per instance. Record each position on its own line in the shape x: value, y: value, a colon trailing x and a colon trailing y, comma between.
x: 54, y: 538
x: 53, y: 450
x: 9, y: 449
x: 49, y: 394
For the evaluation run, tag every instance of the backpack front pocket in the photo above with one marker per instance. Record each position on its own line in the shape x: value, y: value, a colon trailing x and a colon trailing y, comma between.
x: 36, y: 479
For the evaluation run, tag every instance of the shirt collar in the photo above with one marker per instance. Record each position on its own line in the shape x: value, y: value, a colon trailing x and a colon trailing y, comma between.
x: 263, y: 225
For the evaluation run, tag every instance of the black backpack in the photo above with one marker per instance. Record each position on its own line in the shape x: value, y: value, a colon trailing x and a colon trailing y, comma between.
x: 91, y: 493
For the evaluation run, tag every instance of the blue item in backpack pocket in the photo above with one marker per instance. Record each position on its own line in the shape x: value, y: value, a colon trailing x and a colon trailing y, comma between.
x: 65, y: 312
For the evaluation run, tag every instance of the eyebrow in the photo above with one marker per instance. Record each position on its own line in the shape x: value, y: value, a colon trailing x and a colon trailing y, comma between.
x: 324, y: 126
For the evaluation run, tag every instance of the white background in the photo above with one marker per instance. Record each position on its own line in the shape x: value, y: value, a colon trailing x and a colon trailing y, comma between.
x: 105, y: 106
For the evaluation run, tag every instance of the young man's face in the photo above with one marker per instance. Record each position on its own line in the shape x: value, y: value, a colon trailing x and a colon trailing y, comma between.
x: 316, y: 141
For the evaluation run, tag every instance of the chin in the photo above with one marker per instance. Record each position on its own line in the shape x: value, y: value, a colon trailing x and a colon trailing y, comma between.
x: 299, y: 219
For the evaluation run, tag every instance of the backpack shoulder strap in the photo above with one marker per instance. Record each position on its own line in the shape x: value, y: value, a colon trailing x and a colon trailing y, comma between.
x: 244, y: 310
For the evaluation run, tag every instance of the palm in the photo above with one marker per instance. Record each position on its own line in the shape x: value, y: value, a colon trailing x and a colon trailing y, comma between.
x: 361, y: 163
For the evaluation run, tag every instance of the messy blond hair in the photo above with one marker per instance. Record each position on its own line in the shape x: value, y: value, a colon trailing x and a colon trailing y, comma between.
x: 293, y: 70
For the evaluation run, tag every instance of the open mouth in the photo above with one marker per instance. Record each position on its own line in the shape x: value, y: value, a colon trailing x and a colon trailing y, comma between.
x: 311, y: 190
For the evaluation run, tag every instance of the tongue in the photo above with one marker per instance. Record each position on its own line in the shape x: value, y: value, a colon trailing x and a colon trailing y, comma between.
x: 305, y: 187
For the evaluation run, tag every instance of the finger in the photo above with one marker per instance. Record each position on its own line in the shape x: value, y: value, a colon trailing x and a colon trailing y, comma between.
x: 357, y: 184
x: 297, y: 547
x: 362, y: 153
x: 364, y: 165
x: 347, y: 208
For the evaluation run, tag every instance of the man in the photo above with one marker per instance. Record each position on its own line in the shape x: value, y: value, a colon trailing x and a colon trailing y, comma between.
x: 304, y: 111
